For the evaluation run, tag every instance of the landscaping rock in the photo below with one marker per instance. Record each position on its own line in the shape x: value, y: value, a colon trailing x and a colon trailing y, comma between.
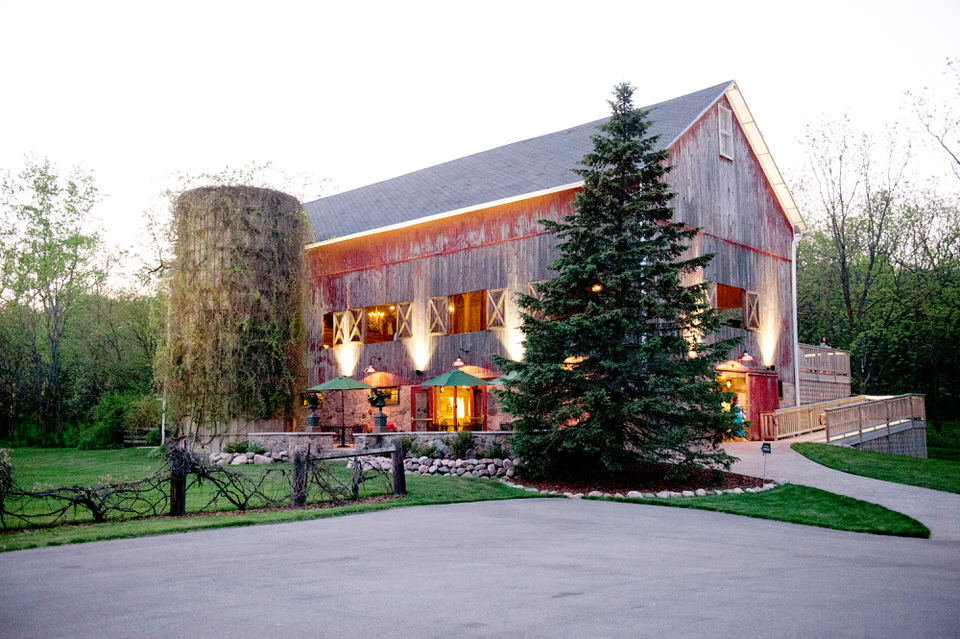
x: 238, y: 460
x: 262, y: 459
x: 633, y: 494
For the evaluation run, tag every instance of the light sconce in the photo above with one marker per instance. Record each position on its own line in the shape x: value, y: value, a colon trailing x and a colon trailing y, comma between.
x: 459, y: 363
x: 746, y: 357
x: 371, y: 369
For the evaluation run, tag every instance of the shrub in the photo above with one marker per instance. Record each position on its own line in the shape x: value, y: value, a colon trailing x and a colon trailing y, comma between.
x: 461, y: 443
x: 243, y: 446
x: 494, y: 451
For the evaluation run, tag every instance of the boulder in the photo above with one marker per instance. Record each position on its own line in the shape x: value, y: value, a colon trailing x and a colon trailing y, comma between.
x: 633, y: 494
x: 238, y: 460
x: 595, y: 493
x: 262, y: 459
x: 701, y: 492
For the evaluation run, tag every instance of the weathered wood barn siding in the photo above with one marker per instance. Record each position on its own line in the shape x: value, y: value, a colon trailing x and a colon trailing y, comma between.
x: 503, y: 247
x: 745, y: 227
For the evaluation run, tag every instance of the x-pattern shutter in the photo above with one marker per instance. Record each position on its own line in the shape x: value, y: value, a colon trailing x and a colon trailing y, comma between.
x: 712, y: 295
x: 356, y: 326
x: 751, y: 311
x: 339, y: 329
x: 439, y: 315
x: 404, y: 320
x: 496, y: 308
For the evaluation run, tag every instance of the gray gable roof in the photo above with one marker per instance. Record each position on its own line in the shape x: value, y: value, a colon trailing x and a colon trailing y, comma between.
x: 537, y: 164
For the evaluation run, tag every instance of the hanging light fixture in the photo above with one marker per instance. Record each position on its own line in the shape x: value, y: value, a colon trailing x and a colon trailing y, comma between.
x: 371, y: 369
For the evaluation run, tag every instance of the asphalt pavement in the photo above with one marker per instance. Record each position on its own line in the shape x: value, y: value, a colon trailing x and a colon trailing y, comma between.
x: 528, y: 568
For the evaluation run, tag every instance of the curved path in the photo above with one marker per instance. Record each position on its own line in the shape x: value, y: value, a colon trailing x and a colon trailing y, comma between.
x: 937, y: 510
x: 523, y: 568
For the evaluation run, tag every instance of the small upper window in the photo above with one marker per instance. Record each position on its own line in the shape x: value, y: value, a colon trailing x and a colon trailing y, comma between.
x: 726, y: 132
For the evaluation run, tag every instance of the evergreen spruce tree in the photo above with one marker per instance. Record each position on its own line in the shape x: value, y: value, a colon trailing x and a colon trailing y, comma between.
x: 617, y: 363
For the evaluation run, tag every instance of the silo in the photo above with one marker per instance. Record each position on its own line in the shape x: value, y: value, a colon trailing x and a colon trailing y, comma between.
x: 235, y: 340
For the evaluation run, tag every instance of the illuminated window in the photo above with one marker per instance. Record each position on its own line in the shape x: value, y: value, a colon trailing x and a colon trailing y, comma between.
x: 467, y: 313
x: 393, y: 395
x: 381, y: 323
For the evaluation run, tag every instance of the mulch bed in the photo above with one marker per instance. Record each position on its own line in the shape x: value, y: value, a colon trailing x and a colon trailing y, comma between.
x: 644, y: 478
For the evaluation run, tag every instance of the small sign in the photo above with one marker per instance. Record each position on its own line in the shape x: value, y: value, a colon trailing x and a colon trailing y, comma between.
x: 765, y: 448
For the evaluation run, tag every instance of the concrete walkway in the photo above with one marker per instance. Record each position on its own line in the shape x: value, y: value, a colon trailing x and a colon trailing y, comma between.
x: 939, y: 511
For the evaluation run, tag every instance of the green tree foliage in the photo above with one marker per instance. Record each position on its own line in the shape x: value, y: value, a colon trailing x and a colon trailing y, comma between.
x: 48, y: 264
x: 879, y: 274
x: 235, y: 341
x: 619, y: 355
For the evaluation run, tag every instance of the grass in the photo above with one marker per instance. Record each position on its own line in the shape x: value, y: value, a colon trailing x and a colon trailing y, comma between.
x: 938, y: 474
x: 805, y: 505
x: 60, y: 467
x: 943, y: 440
x: 46, y: 468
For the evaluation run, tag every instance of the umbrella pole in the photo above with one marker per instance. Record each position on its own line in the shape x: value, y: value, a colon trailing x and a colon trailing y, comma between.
x: 456, y: 424
x: 343, y: 425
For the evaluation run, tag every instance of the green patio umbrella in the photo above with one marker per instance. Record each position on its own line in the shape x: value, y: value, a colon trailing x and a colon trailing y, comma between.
x: 456, y: 377
x: 341, y: 384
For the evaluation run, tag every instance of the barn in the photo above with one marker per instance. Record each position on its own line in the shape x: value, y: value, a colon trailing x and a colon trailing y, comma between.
x: 417, y: 275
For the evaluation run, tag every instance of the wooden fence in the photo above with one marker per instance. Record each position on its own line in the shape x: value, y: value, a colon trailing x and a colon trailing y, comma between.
x: 824, y: 373
x: 799, y: 420
x: 871, y: 416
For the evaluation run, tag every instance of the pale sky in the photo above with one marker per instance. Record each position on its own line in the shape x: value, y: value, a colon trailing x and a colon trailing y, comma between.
x: 363, y: 91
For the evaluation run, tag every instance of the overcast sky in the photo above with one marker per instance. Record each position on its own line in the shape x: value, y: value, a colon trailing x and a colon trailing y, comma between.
x: 362, y: 91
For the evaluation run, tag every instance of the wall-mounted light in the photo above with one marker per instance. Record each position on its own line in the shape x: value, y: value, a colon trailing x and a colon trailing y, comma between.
x: 371, y: 369
x: 459, y: 363
x: 746, y: 357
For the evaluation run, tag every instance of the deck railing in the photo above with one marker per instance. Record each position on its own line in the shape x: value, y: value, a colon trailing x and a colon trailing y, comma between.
x: 823, y: 359
x: 872, y: 415
x: 799, y: 420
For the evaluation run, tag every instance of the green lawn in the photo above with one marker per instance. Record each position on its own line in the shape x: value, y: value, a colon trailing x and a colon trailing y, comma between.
x: 805, y: 505
x: 47, y: 468
x: 938, y: 474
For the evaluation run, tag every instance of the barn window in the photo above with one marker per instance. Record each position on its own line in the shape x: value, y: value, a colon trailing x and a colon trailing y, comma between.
x: 439, y: 314
x: 404, y: 320
x: 726, y: 132
x: 738, y: 308
x: 467, y: 313
x: 496, y: 308
x: 328, y: 324
x: 381, y: 323
x: 355, y: 325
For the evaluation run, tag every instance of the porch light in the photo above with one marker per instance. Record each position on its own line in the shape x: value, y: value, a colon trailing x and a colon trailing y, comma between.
x: 369, y: 370
x: 459, y: 363
x: 746, y: 357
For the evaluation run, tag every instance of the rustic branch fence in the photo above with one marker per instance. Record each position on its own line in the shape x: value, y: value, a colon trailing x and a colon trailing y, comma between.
x: 310, y: 480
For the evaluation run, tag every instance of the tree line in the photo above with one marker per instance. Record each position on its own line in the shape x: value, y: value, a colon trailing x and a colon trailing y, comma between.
x: 878, y: 274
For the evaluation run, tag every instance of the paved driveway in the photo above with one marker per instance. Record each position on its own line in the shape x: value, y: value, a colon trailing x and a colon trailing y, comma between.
x: 533, y: 568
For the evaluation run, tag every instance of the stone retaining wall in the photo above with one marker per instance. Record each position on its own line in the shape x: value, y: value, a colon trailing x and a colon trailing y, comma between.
x: 277, y: 442
x: 482, y: 440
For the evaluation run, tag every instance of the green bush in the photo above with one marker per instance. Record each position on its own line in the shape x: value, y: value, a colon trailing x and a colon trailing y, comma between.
x: 461, y: 443
x: 494, y: 451
x: 943, y: 440
x: 244, y: 446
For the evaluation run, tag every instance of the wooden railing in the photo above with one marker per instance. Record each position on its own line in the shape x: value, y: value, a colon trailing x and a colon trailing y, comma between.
x: 799, y: 420
x: 823, y: 359
x: 873, y: 415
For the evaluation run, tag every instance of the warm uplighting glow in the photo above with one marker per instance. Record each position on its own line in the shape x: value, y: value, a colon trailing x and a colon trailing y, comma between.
x: 769, y: 336
x: 347, y: 357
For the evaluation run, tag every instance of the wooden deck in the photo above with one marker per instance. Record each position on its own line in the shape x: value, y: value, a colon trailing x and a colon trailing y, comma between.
x: 824, y: 374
